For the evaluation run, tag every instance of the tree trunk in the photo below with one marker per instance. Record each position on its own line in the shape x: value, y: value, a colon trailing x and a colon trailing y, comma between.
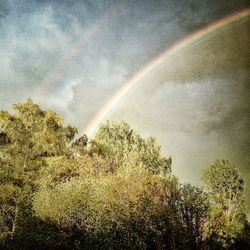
x: 25, y: 162
x: 14, y: 225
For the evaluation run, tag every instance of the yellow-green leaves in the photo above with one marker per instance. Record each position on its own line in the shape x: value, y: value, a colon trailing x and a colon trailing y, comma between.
x: 117, y: 192
x: 26, y: 137
x: 128, y: 148
x: 108, y: 202
x: 227, y: 194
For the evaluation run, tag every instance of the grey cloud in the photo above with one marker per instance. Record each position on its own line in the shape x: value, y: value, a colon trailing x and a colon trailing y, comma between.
x: 87, y: 98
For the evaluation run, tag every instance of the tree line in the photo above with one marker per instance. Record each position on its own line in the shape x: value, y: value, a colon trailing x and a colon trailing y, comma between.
x: 115, y: 191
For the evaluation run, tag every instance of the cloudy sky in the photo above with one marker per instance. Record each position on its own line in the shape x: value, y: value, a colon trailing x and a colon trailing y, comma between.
x: 73, y: 55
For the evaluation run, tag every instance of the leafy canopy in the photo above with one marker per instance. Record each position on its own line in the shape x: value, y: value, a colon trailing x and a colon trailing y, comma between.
x: 27, y: 136
x: 128, y: 148
x: 116, y: 192
x: 227, y: 194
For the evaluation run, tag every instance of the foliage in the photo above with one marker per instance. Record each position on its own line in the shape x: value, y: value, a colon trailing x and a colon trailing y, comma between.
x: 128, y: 207
x: 192, y: 210
x: 114, y: 192
x: 27, y: 136
x: 227, y: 193
x: 126, y: 147
x: 122, y: 207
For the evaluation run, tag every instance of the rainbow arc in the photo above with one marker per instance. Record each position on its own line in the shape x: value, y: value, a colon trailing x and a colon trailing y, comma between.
x: 166, y: 55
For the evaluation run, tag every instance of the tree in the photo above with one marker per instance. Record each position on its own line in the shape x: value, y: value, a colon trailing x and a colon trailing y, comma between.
x: 26, y: 138
x: 124, y: 208
x: 115, y: 192
x: 191, y: 208
x: 227, y: 194
x: 126, y: 147
x: 79, y: 145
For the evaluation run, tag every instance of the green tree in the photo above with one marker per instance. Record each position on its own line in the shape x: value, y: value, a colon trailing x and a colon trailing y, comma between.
x: 26, y: 138
x: 192, y: 213
x: 125, y: 209
x: 227, y: 195
x: 126, y: 147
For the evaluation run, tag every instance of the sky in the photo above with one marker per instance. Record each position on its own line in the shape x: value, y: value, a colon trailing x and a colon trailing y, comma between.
x: 72, y: 56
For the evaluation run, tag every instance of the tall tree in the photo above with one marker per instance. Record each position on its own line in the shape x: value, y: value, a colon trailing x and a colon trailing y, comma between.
x: 192, y: 207
x: 227, y: 194
x: 126, y: 147
x: 26, y: 138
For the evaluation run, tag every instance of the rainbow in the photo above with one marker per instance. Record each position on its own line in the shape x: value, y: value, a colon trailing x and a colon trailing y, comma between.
x: 167, y: 54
